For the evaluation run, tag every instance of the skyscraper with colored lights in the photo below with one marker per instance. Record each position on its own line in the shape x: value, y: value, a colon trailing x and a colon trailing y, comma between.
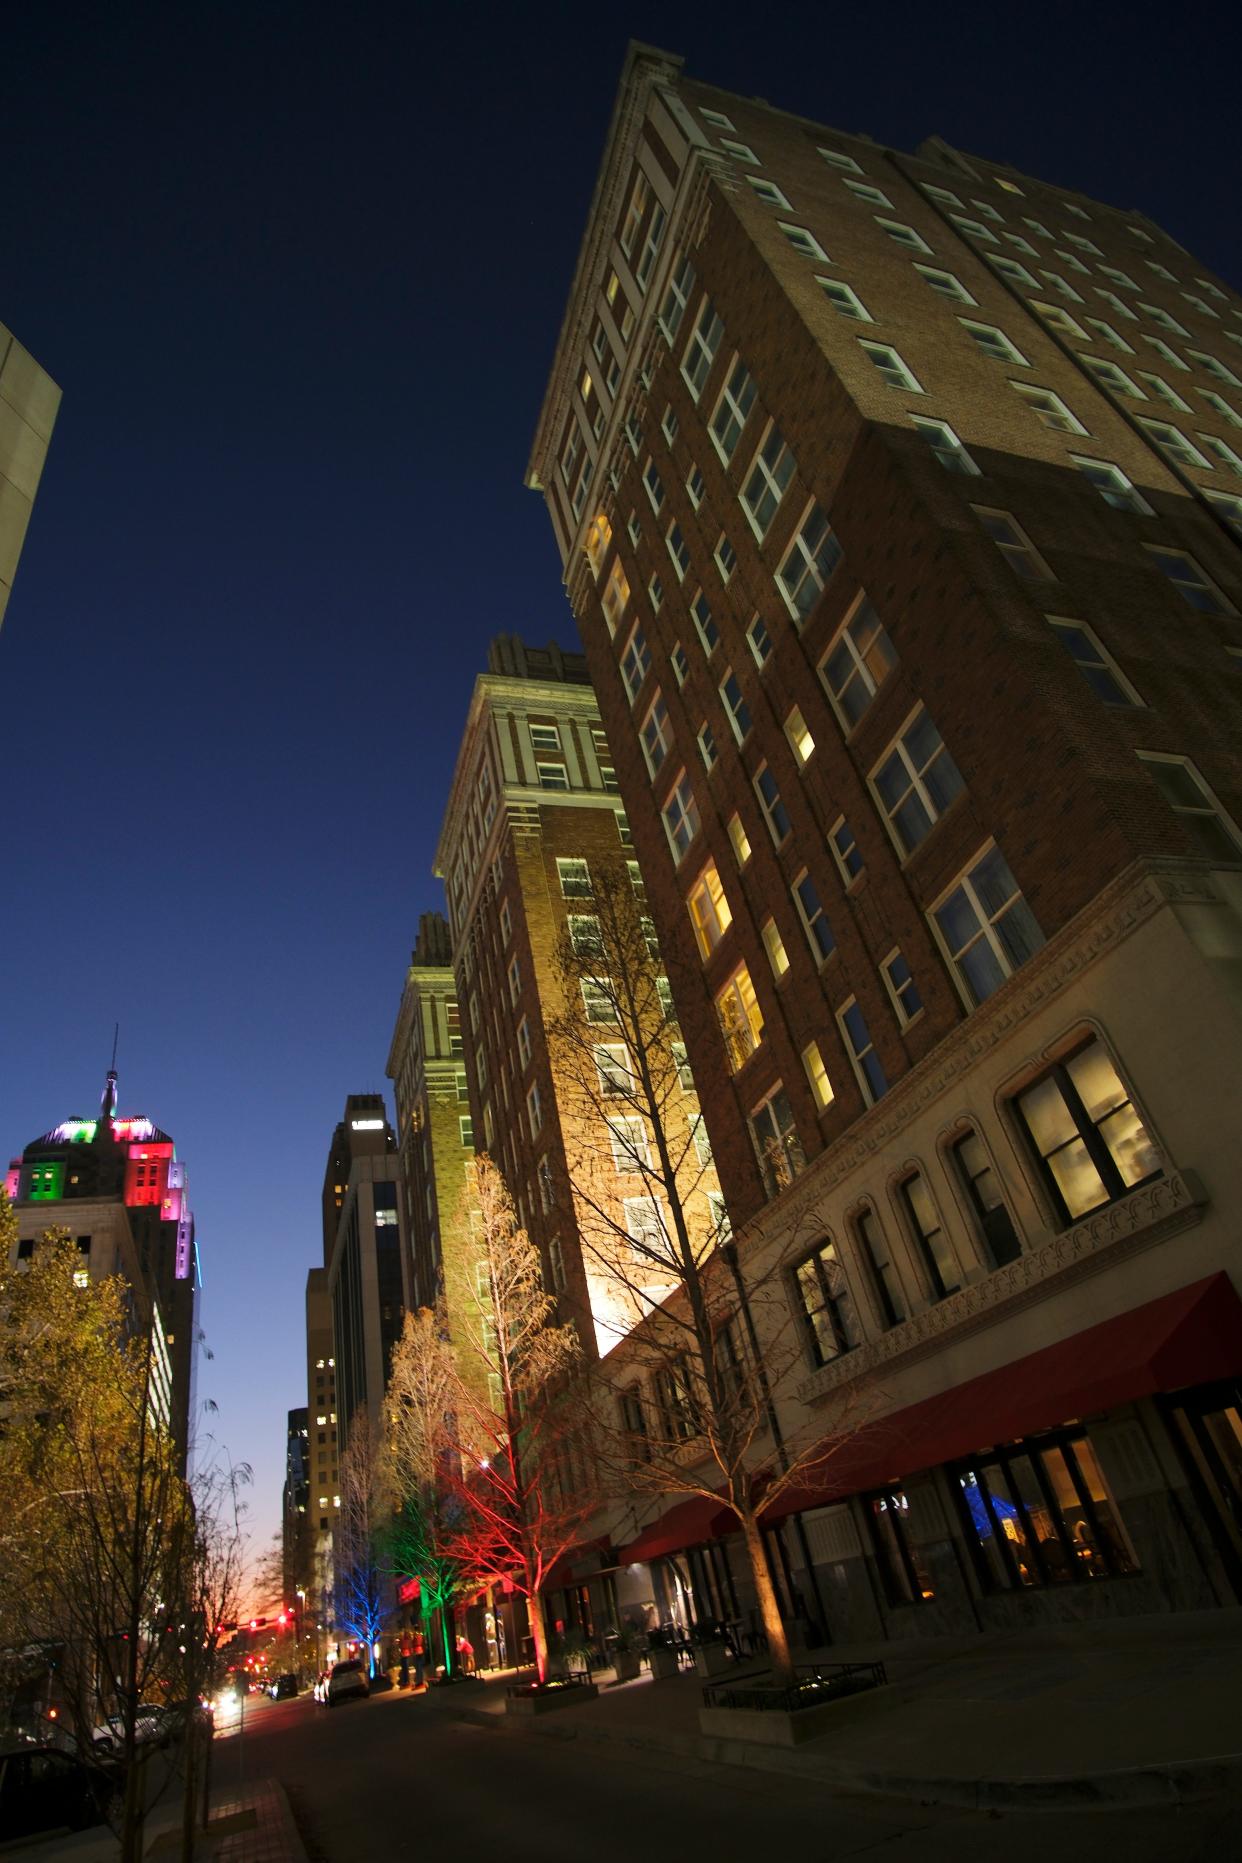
x: 898, y: 500
x: 117, y: 1185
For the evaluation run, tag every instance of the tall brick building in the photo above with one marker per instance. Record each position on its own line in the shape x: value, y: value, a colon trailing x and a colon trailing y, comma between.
x: 899, y: 504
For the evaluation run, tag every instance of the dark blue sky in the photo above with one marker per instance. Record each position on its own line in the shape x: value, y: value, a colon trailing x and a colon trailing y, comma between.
x: 299, y: 271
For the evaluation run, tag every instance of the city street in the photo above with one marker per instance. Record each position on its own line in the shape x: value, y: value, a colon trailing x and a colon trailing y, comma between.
x: 396, y: 1777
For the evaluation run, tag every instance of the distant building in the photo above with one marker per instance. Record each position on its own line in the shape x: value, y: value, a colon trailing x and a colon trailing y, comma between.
x: 117, y: 1185
x: 366, y: 1255
x: 295, y: 1507
x: 898, y: 502
x: 29, y: 400
x: 322, y: 1452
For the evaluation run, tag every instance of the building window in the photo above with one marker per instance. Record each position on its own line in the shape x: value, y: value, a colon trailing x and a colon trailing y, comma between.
x: 994, y: 343
x: 701, y: 349
x: 615, y: 597
x: 1109, y: 375
x: 938, y: 1254
x: 1176, y: 448
x: 835, y: 159
x: 1228, y: 508
x: 597, y: 1000
x: 777, y: 1147
x: 741, y: 151
x: 552, y: 776
x: 1091, y: 1144
x: 817, y: 1074
x: 844, y: 301
x: 1014, y: 545
x: 534, y: 1110
x: 696, y: 487
x: 725, y: 557
x: 974, y: 229
x: 675, y: 1396
x: 1041, y: 1514
x: 556, y: 1264
x: 709, y: 910
x: 515, y: 980
x: 1048, y: 409
x: 655, y: 594
x: 630, y: 1148
x: 945, y: 284
x: 656, y: 735
x: 803, y: 241
x: 903, y: 235
x: 465, y: 1126
x: 523, y: 1042
x: 1012, y: 270
x: 704, y: 624
x: 736, y: 708
x: 905, y: 1575
x: 635, y: 662
x: 808, y: 563
x: 814, y: 918
x: 866, y: 1062
x: 681, y: 817
x: 737, y: 398
x: 1094, y: 662
x: 894, y: 372
x: 673, y: 309
x: 654, y: 485
x: 798, y: 733
x: 575, y: 879
x: 612, y: 1068
x: 1216, y: 402
x: 678, y: 549
x: 858, y: 661
x: 983, y: 1192
x: 768, y: 192
x: 767, y: 482
x: 845, y: 850
x: 915, y: 781
x: 1112, y: 485
x: 774, y: 811
x: 826, y: 1305
x: 584, y: 934
x: 739, y: 841
x: 1208, y: 825
x: 877, y: 1256
x: 774, y: 945
x: 1059, y: 319
x: 1166, y: 354
x: 759, y: 641
x: 863, y: 191
x: 901, y: 987
x: 1192, y: 582
x: 985, y: 926
x: 1222, y: 453
x: 946, y: 448
x: 741, y: 1021
x: 685, y: 1075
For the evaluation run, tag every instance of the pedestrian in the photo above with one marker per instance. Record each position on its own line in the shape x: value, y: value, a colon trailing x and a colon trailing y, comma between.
x: 407, y: 1650
x: 419, y: 1643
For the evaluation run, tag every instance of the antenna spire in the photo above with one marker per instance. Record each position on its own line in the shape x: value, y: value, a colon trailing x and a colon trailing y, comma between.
x: 107, y: 1105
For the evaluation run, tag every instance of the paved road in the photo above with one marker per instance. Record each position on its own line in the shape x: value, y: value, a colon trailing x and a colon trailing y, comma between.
x: 392, y: 1777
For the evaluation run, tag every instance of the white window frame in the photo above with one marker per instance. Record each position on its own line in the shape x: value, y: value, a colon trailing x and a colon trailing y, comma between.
x: 891, y: 367
x: 993, y: 343
x: 804, y: 242
x: 1048, y: 408
x: 1062, y: 625
x: 936, y: 278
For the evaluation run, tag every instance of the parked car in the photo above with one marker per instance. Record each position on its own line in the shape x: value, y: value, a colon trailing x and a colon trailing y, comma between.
x: 348, y: 1678
x: 45, y: 1789
x: 282, y: 1687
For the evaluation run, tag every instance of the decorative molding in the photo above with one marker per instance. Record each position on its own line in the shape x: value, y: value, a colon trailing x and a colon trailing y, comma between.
x: 1147, y: 1216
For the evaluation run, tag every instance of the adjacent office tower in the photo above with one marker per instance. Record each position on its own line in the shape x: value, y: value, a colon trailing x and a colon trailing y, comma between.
x: 295, y: 1506
x: 28, y: 402
x: 533, y: 816
x: 323, y: 1466
x: 435, y: 1135
x: 898, y: 499
x: 117, y: 1185
x: 366, y: 1256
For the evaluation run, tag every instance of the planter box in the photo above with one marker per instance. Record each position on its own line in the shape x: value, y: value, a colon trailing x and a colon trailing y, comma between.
x: 768, y: 1727
x: 663, y: 1664
x: 548, y: 1700
x: 626, y: 1665
x: 711, y: 1659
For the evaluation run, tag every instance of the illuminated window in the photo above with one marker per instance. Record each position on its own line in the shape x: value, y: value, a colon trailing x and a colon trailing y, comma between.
x: 575, y: 878
x: 738, y: 840
x: 585, y: 937
x: 817, y: 1076
x: 1086, y: 1133
x: 774, y: 1136
x: 774, y: 945
x: 902, y: 1565
x: 826, y: 1305
x: 741, y: 1021
x: 800, y: 740
x: 709, y: 910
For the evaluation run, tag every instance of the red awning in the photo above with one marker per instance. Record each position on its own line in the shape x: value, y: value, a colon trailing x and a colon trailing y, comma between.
x: 688, y: 1523
x: 562, y: 1571
x: 1189, y: 1337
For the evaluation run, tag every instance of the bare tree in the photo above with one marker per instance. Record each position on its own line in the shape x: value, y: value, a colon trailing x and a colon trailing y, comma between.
x: 516, y: 1474
x: 422, y: 1538
x: 708, y: 1329
x: 358, y: 1580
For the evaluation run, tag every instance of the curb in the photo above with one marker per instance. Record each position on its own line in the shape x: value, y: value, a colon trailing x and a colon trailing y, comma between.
x: 1164, y: 1783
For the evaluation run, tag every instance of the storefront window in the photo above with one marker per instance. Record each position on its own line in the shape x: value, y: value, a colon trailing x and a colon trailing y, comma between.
x: 906, y: 1578
x: 1042, y: 1514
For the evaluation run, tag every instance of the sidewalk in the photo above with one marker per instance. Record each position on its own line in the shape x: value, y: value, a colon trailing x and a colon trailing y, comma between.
x: 255, y: 1826
x: 1139, y: 1712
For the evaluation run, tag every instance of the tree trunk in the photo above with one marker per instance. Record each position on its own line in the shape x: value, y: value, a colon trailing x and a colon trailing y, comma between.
x: 188, y: 1805
x: 778, y: 1643
x: 539, y: 1634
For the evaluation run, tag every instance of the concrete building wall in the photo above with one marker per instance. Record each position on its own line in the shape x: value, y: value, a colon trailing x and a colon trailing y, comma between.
x: 29, y: 400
